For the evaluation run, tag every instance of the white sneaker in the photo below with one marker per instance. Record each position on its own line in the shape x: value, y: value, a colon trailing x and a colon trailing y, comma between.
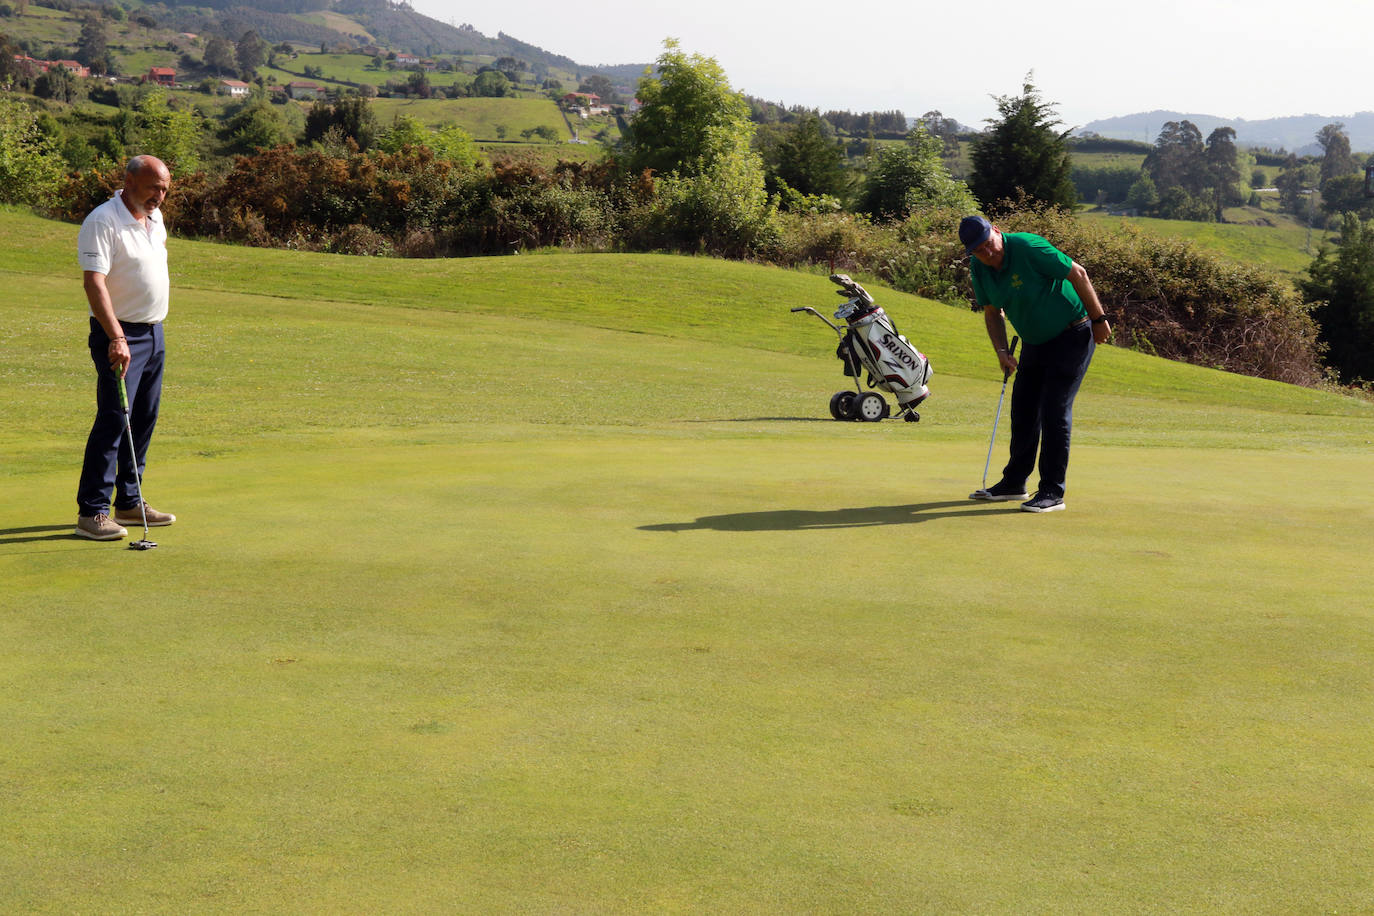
x: 1044, y: 504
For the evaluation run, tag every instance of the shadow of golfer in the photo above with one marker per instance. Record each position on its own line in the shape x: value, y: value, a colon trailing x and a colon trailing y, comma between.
x: 807, y: 519
x: 37, y: 532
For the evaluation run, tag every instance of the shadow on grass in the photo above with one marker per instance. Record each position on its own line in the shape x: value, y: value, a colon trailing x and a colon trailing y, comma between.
x: 762, y: 420
x: 806, y: 519
x: 36, y: 533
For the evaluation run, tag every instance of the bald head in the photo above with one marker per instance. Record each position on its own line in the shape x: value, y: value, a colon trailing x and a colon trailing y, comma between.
x: 146, y: 182
x: 140, y: 166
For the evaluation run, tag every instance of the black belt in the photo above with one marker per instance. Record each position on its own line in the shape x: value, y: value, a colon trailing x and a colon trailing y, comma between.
x: 1078, y: 324
x: 137, y: 326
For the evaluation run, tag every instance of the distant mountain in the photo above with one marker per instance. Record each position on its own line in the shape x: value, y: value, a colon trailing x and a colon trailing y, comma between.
x: 1296, y: 134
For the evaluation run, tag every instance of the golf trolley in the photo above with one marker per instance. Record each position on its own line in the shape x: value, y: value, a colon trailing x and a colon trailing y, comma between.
x: 870, y: 345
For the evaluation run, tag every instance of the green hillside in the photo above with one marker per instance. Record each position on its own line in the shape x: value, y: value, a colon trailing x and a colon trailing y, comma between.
x: 545, y: 583
x: 481, y: 118
x: 1284, y: 246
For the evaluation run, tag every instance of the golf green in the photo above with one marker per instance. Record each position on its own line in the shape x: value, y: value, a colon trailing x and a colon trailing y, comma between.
x: 489, y: 609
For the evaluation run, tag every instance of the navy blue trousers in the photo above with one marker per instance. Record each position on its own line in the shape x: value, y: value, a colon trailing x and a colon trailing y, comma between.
x: 108, y: 468
x: 1047, y: 380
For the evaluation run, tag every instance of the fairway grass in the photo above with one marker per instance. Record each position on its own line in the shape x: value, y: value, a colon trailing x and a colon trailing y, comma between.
x: 539, y: 584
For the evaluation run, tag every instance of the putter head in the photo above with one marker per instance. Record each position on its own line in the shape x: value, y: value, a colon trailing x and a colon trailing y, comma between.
x: 143, y: 544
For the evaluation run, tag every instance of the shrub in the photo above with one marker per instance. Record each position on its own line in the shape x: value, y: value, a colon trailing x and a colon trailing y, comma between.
x: 359, y: 240
x: 920, y: 255
x: 843, y: 242
x: 520, y: 205
x: 906, y: 179
x: 31, y: 168
x: 723, y: 210
x: 1168, y: 297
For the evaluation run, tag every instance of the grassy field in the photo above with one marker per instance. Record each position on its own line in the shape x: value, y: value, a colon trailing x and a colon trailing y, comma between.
x: 135, y: 47
x: 43, y: 24
x: 541, y: 583
x: 354, y: 68
x: 1108, y: 160
x: 336, y: 21
x: 479, y: 117
x: 1286, y: 246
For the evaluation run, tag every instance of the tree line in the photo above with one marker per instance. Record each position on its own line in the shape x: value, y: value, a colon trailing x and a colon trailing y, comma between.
x: 1185, y: 176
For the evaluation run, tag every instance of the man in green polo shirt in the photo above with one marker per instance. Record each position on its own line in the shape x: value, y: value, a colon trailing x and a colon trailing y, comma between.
x: 1054, y: 308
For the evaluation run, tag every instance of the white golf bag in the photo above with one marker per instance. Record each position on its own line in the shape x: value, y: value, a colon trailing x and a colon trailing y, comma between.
x: 871, y: 345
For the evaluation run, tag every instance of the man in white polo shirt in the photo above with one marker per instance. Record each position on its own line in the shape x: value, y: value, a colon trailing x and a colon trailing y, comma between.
x: 122, y: 249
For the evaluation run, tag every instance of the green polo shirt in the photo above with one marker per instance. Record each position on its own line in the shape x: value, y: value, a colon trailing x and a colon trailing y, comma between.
x: 1032, y: 287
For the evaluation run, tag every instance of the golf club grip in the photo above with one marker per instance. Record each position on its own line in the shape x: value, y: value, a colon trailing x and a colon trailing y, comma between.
x: 1011, y: 351
x: 123, y: 395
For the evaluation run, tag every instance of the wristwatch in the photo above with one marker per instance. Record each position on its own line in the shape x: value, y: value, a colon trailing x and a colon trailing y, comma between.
x: 1100, y: 318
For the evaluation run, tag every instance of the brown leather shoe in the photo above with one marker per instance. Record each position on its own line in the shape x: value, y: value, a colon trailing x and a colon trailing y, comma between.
x: 98, y: 528
x: 132, y: 516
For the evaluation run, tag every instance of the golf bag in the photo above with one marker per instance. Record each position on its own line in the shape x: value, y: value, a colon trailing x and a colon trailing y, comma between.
x: 870, y: 346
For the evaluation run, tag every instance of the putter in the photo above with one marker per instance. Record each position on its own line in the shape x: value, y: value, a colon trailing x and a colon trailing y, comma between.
x: 143, y: 544
x: 1011, y: 351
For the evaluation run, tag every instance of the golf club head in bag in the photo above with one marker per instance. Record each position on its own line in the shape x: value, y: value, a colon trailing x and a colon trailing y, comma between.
x: 143, y: 543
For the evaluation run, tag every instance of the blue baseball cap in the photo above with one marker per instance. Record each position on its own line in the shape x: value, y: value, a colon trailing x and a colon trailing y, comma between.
x: 974, y: 231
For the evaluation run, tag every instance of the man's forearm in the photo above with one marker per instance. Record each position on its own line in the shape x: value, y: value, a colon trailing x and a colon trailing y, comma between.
x: 98, y: 296
x: 1087, y: 293
x: 997, y: 328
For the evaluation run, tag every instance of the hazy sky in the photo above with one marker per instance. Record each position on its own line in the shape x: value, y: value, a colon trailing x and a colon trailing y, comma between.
x: 1251, y: 60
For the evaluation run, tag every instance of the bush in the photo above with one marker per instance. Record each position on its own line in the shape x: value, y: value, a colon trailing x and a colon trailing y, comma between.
x: 1166, y: 296
x: 1341, y: 284
x: 1169, y: 298
x: 31, y: 167
x: 905, y: 179
x: 521, y: 205
x: 359, y: 240
x: 722, y: 210
x: 842, y: 241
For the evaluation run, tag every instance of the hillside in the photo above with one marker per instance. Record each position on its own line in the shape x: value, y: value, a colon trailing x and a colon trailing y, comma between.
x: 396, y: 26
x: 1296, y: 134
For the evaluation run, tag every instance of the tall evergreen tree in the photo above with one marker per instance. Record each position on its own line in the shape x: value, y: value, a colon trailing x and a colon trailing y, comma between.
x: 1023, y: 153
x: 250, y: 53
x: 1178, y: 158
x: 92, y: 49
x: 1296, y: 182
x: 809, y: 161
x: 1343, y: 285
x: 219, y: 55
x: 1336, y: 157
x: 1223, y: 168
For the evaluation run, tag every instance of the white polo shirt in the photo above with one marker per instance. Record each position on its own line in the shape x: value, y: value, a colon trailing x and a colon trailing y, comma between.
x: 132, y: 258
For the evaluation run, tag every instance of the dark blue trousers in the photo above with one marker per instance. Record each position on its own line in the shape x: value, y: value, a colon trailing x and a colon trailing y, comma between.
x: 1047, y: 380
x: 108, y: 468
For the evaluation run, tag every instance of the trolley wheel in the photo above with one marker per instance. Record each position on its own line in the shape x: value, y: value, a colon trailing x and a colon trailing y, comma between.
x: 870, y: 407
x: 913, y: 417
x: 842, y: 405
